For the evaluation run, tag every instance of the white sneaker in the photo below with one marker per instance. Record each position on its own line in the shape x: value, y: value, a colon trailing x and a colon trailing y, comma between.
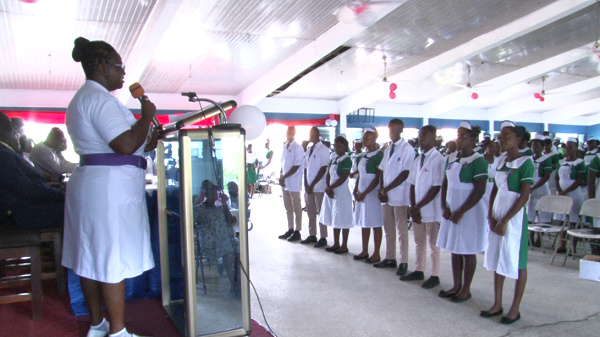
x: 101, y: 330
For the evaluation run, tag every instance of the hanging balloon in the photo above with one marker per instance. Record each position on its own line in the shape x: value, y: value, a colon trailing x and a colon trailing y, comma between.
x: 474, y: 95
x: 328, y: 122
x: 333, y: 122
x: 537, y: 95
x: 367, y: 17
x: 392, y: 95
x: 542, y: 99
x: 393, y: 87
x: 346, y: 15
x: 251, y: 118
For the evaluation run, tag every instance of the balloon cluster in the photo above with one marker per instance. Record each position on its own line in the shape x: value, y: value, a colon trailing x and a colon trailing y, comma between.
x: 539, y: 96
x: 331, y: 122
x: 393, y: 88
x: 357, y: 11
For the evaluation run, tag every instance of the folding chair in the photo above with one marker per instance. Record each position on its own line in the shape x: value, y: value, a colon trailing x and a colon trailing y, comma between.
x: 553, y: 204
x: 591, y: 208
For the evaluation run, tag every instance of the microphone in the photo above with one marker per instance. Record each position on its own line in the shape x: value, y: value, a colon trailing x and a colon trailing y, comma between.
x: 190, y: 95
x: 196, y: 116
x: 137, y: 91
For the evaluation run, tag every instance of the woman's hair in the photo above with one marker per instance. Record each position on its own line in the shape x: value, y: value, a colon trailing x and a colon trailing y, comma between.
x: 474, y: 132
x: 91, y: 54
x: 340, y: 139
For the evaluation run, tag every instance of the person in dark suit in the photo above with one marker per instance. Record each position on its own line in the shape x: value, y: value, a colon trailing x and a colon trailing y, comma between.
x: 26, y: 200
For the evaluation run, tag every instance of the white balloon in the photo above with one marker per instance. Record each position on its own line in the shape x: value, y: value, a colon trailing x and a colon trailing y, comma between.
x: 328, y: 122
x: 346, y: 15
x: 367, y: 17
x: 251, y: 118
x: 333, y: 122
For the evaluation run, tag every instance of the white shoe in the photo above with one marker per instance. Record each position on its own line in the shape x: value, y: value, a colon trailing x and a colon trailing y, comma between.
x: 101, y: 329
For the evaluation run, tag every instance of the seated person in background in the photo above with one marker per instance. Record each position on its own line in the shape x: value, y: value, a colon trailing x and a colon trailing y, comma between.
x: 234, y: 198
x: 219, y: 196
x: 24, y: 195
x: 25, y: 147
x: 47, y: 157
x: 217, y: 236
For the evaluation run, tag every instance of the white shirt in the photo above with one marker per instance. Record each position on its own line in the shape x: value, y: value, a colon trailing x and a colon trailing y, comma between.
x: 392, y: 166
x: 426, y: 176
x: 48, y: 163
x: 314, y: 162
x: 292, y: 155
x: 251, y: 157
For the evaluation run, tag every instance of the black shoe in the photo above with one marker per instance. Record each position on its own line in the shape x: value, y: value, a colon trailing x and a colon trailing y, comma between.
x: 414, y: 276
x: 321, y: 243
x: 506, y: 320
x: 309, y: 239
x: 402, y: 269
x: 286, y: 234
x: 387, y: 263
x: 431, y: 282
x: 332, y: 249
x: 487, y: 314
x: 294, y: 237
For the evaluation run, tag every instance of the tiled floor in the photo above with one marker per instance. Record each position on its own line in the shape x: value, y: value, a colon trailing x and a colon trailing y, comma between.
x: 306, y: 291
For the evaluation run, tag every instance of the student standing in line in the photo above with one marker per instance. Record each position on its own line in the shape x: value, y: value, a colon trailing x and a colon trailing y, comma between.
x: 336, y: 210
x: 367, y: 210
x: 506, y: 253
x: 570, y: 177
x: 463, y: 230
x: 292, y: 159
x: 542, y: 165
x: 426, y: 178
x: 315, y: 167
x: 394, y: 194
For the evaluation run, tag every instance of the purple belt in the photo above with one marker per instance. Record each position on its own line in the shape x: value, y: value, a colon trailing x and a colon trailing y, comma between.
x: 112, y: 159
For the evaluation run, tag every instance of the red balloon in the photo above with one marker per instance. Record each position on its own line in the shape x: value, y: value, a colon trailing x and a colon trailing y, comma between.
x: 474, y: 95
x: 542, y: 98
x: 393, y: 87
x: 537, y: 95
x: 392, y: 95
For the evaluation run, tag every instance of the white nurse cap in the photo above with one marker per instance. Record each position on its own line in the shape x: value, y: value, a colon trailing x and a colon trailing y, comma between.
x: 507, y: 124
x: 465, y: 125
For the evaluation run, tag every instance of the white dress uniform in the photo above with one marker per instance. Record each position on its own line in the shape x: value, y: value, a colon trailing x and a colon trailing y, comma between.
x: 469, y: 236
x: 106, y: 233
x: 367, y: 213
x: 352, y: 181
x: 337, y: 211
x: 540, y: 191
x: 503, y: 253
x: 565, y: 179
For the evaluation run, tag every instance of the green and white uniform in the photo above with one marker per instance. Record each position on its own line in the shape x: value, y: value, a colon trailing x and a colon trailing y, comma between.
x: 567, y: 175
x: 541, y: 166
x: 337, y: 211
x: 469, y: 236
x: 508, y: 253
x: 367, y: 213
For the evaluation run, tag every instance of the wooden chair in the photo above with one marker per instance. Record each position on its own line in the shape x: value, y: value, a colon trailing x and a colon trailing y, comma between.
x: 590, y: 208
x: 57, y: 271
x: 16, y: 247
x: 553, y: 204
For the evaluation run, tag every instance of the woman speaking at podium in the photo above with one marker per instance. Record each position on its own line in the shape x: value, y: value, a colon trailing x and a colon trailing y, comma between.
x: 106, y: 235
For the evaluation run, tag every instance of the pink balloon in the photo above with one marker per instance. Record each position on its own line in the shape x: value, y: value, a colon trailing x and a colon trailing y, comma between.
x: 537, y: 95
x: 393, y: 87
x: 392, y: 95
x: 542, y: 98
x: 474, y: 95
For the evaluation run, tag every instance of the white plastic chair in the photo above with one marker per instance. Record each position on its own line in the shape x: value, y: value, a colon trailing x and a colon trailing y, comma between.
x: 591, y: 208
x: 553, y: 204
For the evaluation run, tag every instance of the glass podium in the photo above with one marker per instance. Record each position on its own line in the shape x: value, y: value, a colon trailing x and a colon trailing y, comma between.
x: 204, y: 241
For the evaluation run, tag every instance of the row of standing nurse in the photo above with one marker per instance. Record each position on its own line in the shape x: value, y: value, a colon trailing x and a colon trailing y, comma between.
x: 426, y: 183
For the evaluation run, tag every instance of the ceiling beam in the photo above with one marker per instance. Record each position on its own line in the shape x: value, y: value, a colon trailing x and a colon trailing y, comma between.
x: 495, y: 85
x: 494, y: 38
x: 583, y: 108
x: 154, y: 28
x: 305, y: 57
